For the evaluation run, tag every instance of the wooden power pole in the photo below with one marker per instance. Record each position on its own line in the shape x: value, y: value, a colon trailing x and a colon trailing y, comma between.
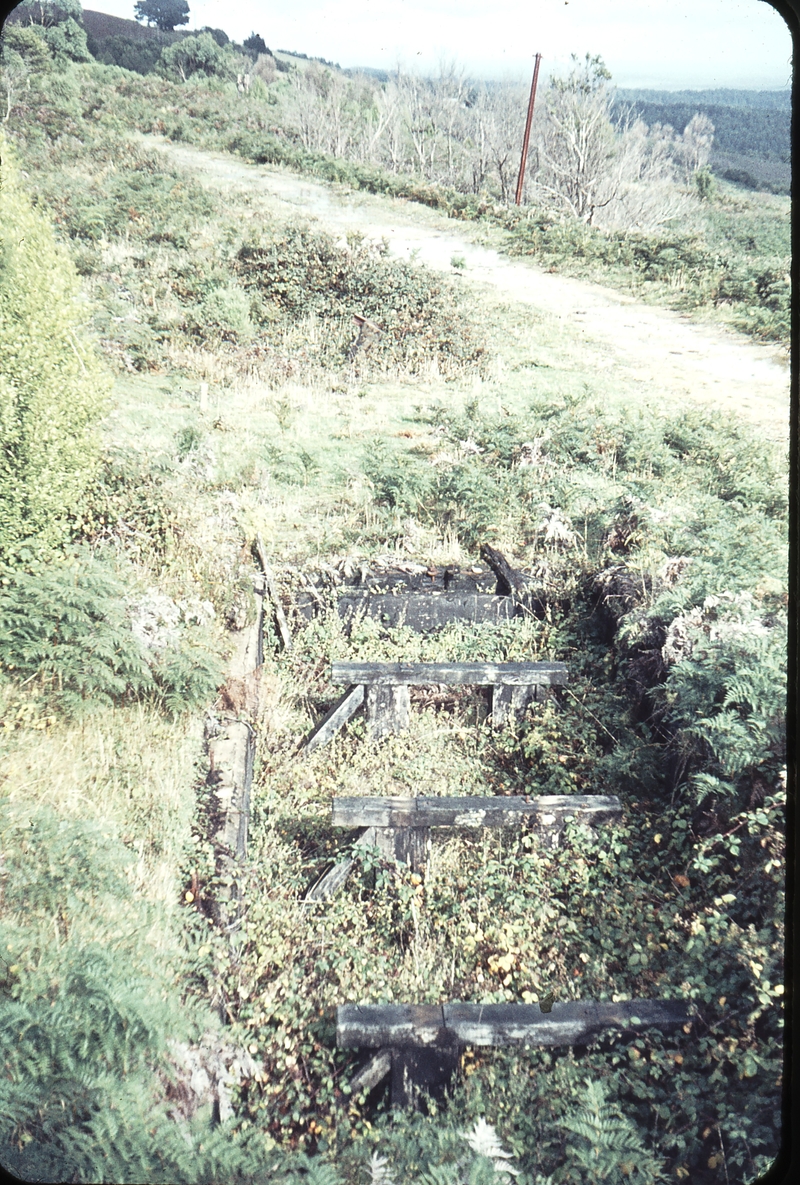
x: 526, y: 140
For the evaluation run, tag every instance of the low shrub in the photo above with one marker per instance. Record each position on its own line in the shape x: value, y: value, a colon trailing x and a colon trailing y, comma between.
x: 225, y: 314
x: 67, y: 631
x: 421, y: 317
x: 90, y: 1009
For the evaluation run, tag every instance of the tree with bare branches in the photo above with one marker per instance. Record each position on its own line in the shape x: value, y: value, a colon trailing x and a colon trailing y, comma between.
x: 602, y: 173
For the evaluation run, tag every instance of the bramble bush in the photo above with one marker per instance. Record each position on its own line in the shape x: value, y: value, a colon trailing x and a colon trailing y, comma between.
x: 422, y: 318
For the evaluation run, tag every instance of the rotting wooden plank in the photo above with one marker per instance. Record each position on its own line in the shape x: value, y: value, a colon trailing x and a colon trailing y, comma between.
x: 375, y: 1026
x: 474, y: 811
x: 231, y: 761
x: 572, y: 1022
x: 333, y: 720
x: 377, y: 812
x: 388, y: 709
x: 280, y: 617
x: 333, y: 880
x: 424, y: 612
x: 231, y: 755
x: 418, y: 579
x: 481, y: 674
x: 373, y: 1072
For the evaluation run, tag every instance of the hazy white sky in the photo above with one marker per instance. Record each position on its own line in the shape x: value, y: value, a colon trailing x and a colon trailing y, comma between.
x: 650, y: 43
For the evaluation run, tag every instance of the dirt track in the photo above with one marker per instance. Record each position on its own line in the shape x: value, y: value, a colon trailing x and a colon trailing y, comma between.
x: 662, y: 353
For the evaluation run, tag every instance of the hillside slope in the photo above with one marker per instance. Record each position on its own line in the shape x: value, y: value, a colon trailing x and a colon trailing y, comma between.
x: 652, y: 352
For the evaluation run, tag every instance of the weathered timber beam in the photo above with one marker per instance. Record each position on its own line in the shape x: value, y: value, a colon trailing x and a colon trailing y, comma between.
x: 509, y: 580
x: 552, y: 810
x: 422, y: 1071
x: 422, y: 612
x: 388, y: 709
x: 573, y: 1022
x: 335, y: 877
x: 396, y: 1025
x: 511, y: 701
x: 553, y: 674
x: 406, y: 845
x: 373, y: 1072
x: 338, y: 715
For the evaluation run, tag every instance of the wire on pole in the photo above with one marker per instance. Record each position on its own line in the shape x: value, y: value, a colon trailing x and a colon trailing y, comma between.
x: 528, y: 121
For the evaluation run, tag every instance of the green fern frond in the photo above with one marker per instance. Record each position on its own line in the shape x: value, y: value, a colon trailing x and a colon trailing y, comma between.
x: 611, y: 1143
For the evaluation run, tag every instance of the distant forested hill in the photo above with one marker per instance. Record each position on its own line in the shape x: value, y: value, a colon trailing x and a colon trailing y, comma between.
x: 721, y: 97
x: 752, y: 129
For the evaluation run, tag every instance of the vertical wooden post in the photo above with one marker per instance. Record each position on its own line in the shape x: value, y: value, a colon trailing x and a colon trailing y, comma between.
x: 388, y: 708
x: 526, y: 139
x: 508, y: 700
x: 416, y: 1070
x: 406, y: 845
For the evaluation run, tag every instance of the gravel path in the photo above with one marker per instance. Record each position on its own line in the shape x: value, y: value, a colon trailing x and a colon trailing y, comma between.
x: 663, y: 352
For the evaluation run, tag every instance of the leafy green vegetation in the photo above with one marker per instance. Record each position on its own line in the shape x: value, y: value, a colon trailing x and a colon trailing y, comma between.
x: 244, y: 406
x: 52, y: 390
x: 716, y: 264
x: 674, y: 702
x: 736, y: 261
x: 420, y: 321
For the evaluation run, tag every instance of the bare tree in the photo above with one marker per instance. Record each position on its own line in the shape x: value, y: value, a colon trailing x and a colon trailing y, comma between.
x: 448, y: 106
x: 696, y: 144
x: 418, y: 112
x: 319, y: 108
x: 646, y: 194
x: 389, y: 145
x: 602, y: 174
x: 445, y: 129
x: 576, y: 141
x: 503, y: 110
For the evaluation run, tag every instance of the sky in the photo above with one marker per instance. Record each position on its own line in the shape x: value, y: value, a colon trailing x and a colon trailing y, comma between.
x: 663, y: 44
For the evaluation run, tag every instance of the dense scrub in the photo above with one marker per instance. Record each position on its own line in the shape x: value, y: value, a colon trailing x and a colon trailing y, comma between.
x: 656, y: 544
x: 165, y: 299
x: 420, y: 320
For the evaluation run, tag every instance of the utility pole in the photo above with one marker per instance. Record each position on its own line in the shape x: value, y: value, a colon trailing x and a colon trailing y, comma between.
x: 528, y: 121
